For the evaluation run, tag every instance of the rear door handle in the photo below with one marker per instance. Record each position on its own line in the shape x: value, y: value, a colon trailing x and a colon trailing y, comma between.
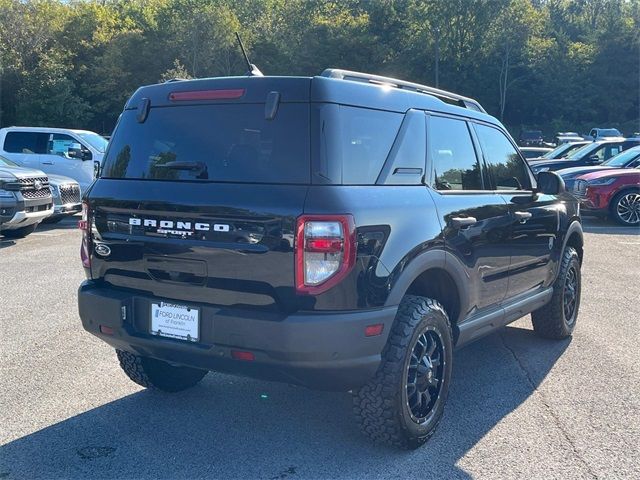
x: 522, y: 217
x: 47, y: 163
x: 461, y: 222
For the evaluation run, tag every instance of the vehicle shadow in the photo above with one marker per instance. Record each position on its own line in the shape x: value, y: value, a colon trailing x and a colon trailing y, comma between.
x: 239, y: 428
x: 6, y: 242
x: 67, y: 223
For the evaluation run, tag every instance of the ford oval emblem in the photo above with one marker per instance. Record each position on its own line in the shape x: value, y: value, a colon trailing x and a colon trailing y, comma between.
x: 102, y: 250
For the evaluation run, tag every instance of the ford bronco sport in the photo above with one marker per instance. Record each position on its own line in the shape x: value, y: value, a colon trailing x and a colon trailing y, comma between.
x: 341, y: 232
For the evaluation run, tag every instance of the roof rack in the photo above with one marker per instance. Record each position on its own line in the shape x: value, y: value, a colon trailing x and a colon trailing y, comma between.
x: 448, y: 97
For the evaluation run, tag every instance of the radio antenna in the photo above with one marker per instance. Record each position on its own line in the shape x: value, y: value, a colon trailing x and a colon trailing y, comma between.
x: 253, y: 70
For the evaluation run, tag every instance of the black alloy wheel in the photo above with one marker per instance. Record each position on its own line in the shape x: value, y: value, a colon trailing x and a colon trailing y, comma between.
x: 425, y: 375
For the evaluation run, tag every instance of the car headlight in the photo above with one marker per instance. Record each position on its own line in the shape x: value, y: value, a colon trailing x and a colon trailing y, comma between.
x: 601, y: 181
x: 6, y: 193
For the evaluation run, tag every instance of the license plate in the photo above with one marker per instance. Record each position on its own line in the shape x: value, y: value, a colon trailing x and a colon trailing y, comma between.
x: 175, y: 321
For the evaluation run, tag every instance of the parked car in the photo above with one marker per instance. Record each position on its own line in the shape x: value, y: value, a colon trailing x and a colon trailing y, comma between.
x: 531, y: 138
x: 560, y: 151
x: 25, y: 199
x: 65, y: 192
x: 614, y: 193
x: 605, y: 133
x: 534, y: 152
x: 593, y: 153
x: 568, y: 137
x: 627, y: 159
x: 72, y: 153
x: 403, y: 248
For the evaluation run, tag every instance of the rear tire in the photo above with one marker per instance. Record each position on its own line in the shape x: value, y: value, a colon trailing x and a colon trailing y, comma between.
x: 625, y: 208
x: 20, y: 232
x: 403, y: 404
x: 152, y: 373
x: 557, y: 319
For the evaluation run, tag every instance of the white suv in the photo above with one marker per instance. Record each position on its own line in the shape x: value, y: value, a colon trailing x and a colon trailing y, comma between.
x: 73, y: 153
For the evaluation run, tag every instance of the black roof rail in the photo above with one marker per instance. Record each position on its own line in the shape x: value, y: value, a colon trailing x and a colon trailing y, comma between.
x: 449, y: 97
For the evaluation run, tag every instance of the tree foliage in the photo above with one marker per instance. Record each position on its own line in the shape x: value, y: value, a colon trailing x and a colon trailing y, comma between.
x: 549, y: 64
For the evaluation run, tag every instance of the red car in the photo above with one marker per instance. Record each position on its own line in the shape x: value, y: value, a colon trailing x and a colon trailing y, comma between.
x: 611, y: 192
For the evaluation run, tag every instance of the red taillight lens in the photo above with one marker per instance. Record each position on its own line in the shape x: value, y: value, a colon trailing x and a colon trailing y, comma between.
x: 85, y: 226
x: 242, y: 355
x: 206, y: 95
x: 325, y: 251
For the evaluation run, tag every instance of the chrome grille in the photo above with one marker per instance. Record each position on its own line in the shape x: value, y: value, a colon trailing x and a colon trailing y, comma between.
x: 69, y: 193
x: 28, y: 189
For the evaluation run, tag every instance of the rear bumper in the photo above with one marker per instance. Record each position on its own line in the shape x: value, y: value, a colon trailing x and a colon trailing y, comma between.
x: 327, y: 351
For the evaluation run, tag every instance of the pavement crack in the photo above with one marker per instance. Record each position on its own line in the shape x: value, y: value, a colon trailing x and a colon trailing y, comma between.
x: 556, y: 419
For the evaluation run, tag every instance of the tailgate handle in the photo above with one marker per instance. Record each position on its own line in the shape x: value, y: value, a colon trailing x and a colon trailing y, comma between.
x: 179, y: 270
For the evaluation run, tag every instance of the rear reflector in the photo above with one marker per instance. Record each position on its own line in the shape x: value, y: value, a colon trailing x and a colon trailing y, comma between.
x: 106, y: 330
x: 206, y: 95
x: 241, y: 355
x: 373, y: 330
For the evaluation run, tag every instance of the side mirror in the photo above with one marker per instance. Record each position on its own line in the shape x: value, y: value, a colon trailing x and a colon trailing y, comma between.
x: 550, y: 183
x: 593, y: 159
x: 80, y: 153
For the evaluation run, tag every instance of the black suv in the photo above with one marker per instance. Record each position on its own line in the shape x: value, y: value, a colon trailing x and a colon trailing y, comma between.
x: 341, y: 232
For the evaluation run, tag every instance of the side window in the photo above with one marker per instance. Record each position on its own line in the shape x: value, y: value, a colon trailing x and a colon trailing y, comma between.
x: 451, y: 151
x: 25, y: 142
x: 367, y: 137
x: 60, y: 144
x: 612, y: 150
x: 503, y: 162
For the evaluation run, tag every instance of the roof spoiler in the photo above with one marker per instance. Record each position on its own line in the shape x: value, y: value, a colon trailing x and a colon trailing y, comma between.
x: 448, y: 97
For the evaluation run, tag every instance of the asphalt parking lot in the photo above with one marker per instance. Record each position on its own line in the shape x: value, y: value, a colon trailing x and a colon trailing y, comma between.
x: 520, y: 407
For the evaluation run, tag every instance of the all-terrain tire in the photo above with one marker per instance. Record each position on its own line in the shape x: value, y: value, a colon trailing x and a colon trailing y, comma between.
x: 625, y: 204
x: 381, y: 407
x: 552, y: 321
x: 20, y: 232
x: 159, y: 375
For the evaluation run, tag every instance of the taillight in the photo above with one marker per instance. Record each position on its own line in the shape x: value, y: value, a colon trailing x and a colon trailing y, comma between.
x: 325, y: 251
x: 85, y: 226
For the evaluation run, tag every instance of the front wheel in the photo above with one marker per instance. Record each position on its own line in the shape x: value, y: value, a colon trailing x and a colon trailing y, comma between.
x: 625, y: 208
x: 557, y: 319
x: 403, y: 404
x: 152, y: 373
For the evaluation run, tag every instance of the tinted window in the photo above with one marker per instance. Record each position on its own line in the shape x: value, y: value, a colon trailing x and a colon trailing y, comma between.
x: 367, y: 137
x: 505, y: 165
x: 454, y: 160
x: 231, y: 143
x: 25, y: 142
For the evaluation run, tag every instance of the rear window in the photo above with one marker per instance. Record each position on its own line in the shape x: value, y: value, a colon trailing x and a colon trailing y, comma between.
x: 224, y: 143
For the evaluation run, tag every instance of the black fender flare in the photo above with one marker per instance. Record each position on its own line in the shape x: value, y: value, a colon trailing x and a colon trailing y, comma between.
x: 424, y: 261
x: 574, y: 227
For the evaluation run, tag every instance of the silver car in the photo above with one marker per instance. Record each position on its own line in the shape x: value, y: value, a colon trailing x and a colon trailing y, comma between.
x: 25, y: 199
x: 66, y: 197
